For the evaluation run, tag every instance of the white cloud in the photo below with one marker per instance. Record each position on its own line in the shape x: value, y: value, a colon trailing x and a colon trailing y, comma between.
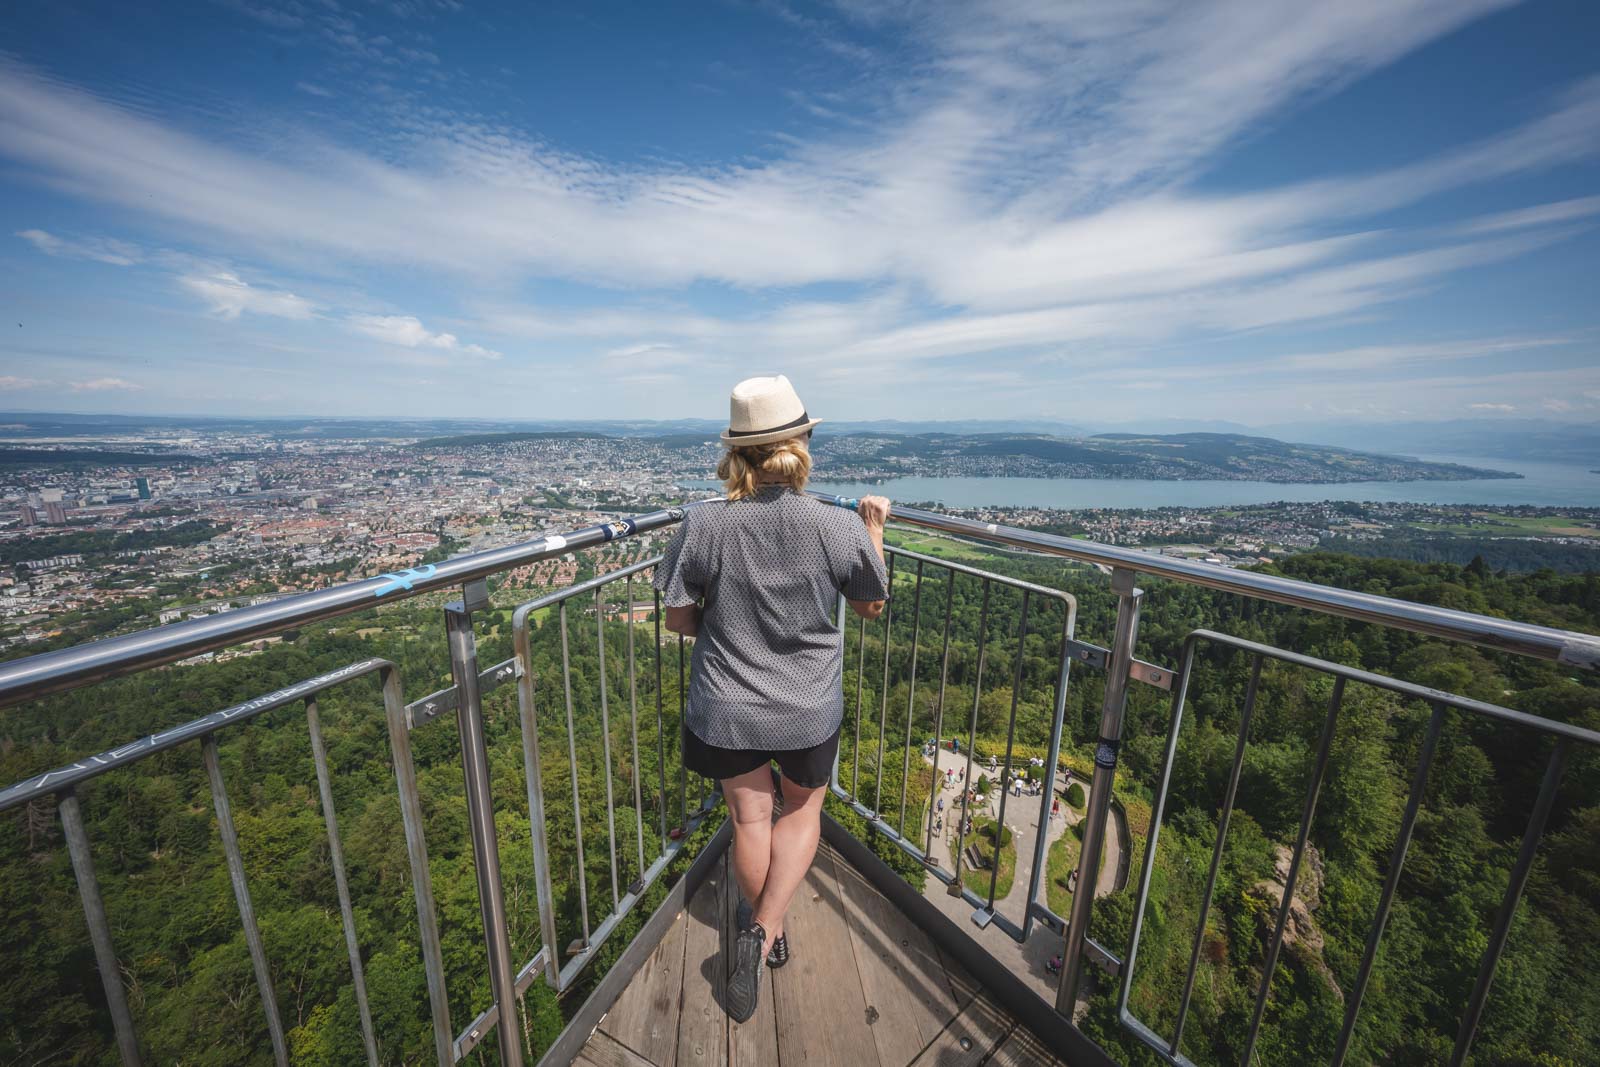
x: 408, y: 332
x: 12, y: 382
x: 1015, y: 182
x: 229, y: 296
x: 1539, y: 215
x: 101, y: 385
x: 102, y: 249
x: 1492, y: 407
x: 314, y: 89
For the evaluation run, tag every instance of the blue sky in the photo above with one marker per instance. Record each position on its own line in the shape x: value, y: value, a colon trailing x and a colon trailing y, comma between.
x: 1112, y: 210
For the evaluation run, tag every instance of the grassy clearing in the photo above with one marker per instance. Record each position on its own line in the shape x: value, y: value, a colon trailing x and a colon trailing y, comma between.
x: 982, y: 839
x: 1511, y: 526
x: 939, y: 547
x: 1059, y: 863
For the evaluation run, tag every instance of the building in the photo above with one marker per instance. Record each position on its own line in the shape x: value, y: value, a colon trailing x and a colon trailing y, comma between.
x: 144, y: 487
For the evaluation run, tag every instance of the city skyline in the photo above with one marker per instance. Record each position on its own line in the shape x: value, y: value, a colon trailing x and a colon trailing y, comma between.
x: 1088, y: 213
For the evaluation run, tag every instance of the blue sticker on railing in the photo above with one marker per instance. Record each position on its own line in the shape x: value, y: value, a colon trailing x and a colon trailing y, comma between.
x: 1105, y: 755
x: 620, y: 528
x: 405, y: 578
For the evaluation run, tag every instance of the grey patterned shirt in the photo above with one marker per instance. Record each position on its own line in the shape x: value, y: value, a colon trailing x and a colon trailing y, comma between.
x: 768, y: 665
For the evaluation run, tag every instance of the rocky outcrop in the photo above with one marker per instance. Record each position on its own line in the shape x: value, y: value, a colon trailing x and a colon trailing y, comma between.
x: 1302, y: 939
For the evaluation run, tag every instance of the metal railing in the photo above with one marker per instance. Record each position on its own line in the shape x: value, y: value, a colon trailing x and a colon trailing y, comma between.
x: 38, y: 676
x: 54, y: 672
x: 986, y: 911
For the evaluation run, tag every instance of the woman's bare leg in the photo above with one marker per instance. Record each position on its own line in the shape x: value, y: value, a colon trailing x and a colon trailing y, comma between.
x: 794, y: 845
x: 749, y: 798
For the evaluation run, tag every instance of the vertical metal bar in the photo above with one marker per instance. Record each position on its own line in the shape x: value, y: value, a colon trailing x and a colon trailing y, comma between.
x: 319, y: 756
x: 1180, y: 692
x: 1011, y: 735
x: 1508, y: 905
x: 1397, y: 860
x: 841, y: 610
x: 683, y: 731
x: 883, y: 703
x: 1245, y: 715
x: 94, y: 914
x: 405, y: 775
x: 938, y: 713
x: 911, y: 697
x: 605, y: 746
x: 633, y: 724
x: 1052, y: 754
x: 1112, y: 708
x: 480, y: 820
x: 572, y: 768
x: 1324, y: 746
x: 661, y: 731
x: 954, y: 888
x: 533, y: 773
x: 241, y: 895
x: 861, y: 672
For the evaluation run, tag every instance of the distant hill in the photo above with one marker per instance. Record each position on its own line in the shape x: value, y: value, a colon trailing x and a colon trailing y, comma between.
x: 1174, y: 457
x: 873, y: 454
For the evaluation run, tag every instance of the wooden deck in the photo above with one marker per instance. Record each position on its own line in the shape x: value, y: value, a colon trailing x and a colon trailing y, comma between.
x: 865, y: 987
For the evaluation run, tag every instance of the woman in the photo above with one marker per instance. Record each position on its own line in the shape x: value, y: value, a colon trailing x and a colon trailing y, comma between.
x: 755, y: 580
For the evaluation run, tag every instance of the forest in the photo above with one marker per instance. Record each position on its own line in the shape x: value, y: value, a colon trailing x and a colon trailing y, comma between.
x: 187, y: 970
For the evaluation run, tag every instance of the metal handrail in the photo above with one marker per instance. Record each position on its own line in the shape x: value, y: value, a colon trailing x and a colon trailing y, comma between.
x: 1540, y: 642
x: 113, y: 657
x: 53, y: 672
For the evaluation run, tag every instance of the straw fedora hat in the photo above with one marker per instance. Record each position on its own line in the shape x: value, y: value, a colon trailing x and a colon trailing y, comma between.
x: 763, y: 410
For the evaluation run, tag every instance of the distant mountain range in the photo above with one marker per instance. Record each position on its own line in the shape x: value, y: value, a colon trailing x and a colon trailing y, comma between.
x: 876, y: 455
x: 1508, y: 439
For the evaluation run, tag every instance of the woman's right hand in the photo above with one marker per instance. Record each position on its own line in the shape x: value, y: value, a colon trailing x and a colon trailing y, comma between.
x: 874, y: 511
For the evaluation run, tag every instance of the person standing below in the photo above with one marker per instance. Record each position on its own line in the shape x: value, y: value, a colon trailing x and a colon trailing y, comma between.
x: 755, y: 578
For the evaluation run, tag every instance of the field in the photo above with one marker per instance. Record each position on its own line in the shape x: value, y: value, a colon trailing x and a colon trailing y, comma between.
x: 1513, y: 526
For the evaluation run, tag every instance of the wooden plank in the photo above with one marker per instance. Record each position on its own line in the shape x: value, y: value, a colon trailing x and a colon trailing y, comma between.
x: 645, y: 1016
x: 909, y: 997
x: 969, y: 1038
x: 962, y: 985
x: 822, y: 1013
x: 604, y: 1051
x: 703, y: 1026
x: 753, y: 1043
x: 1022, y: 1049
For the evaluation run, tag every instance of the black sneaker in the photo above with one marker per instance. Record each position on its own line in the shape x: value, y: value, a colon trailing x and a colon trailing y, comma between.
x: 778, y: 955
x: 744, y: 980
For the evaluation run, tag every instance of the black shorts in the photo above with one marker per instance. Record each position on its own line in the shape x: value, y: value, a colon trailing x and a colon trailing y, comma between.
x: 808, y: 767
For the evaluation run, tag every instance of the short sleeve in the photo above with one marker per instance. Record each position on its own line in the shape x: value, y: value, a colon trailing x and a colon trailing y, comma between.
x: 678, y: 577
x: 863, y: 577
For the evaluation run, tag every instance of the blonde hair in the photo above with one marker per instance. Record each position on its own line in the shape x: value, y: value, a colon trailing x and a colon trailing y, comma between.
x: 740, y: 467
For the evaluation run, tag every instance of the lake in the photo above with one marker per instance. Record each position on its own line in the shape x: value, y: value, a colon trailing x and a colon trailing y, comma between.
x: 1548, y: 484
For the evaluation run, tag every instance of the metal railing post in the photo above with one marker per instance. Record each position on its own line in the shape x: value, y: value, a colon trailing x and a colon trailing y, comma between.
x: 1052, y: 755
x: 480, y: 818
x: 1118, y: 665
x: 94, y: 913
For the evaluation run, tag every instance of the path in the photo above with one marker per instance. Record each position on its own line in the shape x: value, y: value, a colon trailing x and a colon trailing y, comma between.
x: 1022, y: 816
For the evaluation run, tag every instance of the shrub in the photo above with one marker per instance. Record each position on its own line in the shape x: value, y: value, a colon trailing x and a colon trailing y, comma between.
x: 1075, y: 795
x: 1004, y: 833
